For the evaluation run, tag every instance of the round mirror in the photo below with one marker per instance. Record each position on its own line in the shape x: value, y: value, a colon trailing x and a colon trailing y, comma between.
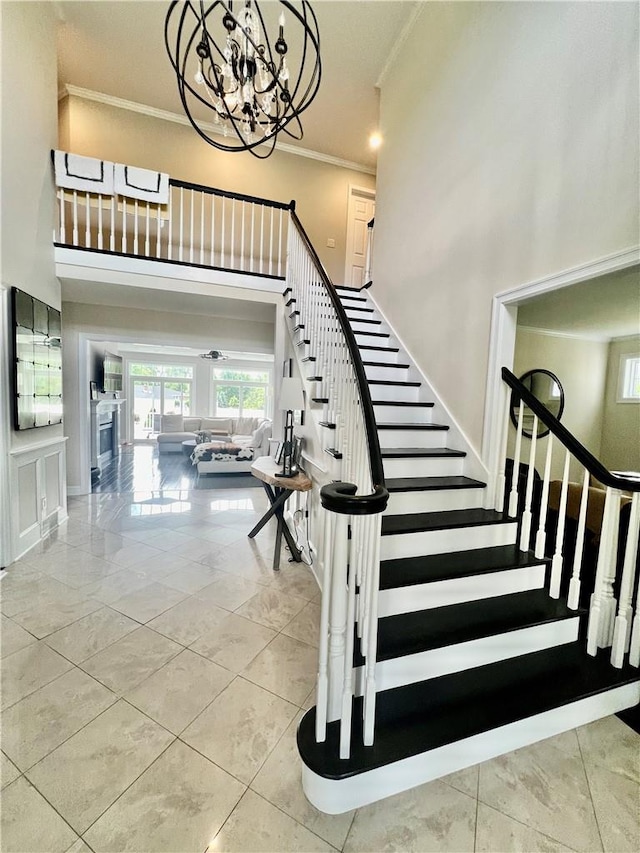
x: 546, y: 387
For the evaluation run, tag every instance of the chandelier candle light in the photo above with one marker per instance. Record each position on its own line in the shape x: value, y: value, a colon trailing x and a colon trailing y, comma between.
x: 225, y: 60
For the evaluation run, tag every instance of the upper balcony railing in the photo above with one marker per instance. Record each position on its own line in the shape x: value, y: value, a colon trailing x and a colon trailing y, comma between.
x: 198, y: 226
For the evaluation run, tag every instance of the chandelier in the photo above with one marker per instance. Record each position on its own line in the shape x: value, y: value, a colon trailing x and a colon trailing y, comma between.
x: 224, y: 59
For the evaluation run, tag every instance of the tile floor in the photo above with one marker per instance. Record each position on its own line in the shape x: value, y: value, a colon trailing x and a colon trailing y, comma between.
x: 154, y: 670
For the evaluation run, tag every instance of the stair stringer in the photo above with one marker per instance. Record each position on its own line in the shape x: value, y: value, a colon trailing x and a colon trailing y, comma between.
x: 474, y: 467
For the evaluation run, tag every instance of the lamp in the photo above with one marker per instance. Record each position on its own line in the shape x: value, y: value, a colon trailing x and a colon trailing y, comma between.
x: 291, y: 399
x: 224, y: 59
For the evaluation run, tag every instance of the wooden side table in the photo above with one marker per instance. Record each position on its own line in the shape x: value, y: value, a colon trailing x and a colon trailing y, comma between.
x: 279, y: 490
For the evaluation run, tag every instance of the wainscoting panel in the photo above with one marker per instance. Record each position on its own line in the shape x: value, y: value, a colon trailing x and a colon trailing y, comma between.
x: 38, y: 492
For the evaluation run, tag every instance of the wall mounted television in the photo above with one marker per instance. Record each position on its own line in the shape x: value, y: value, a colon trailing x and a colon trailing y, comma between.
x: 37, y: 359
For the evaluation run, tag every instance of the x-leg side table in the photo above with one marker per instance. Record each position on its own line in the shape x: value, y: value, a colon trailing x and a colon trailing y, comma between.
x: 278, y: 490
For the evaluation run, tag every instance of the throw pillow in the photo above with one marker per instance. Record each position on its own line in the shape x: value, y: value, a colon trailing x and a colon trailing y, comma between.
x: 172, y: 423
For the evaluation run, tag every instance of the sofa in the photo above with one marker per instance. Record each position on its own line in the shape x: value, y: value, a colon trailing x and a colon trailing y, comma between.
x: 223, y: 445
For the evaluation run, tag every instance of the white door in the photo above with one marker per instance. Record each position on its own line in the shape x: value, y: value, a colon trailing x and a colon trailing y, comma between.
x: 362, y: 208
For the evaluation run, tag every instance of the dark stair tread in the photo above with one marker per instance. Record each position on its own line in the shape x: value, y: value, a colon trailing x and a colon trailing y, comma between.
x: 372, y: 334
x: 347, y: 288
x: 302, y: 342
x: 451, y: 518
x: 287, y: 290
x: 319, y: 399
x: 379, y: 349
x: 422, y: 426
x: 294, y: 314
x: 290, y: 302
x: 404, y: 403
x: 359, y: 308
x: 411, y: 633
x: 410, y: 571
x: 426, y: 484
x: 314, y: 378
x: 298, y: 327
x: 386, y: 364
x: 420, y: 717
x: 364, y: 320
x: 418, y: 452
x: 333, y: 452
x: 397, y: 382
x: 309, y: 358
x: 327, y: 424
x: 352, y: 296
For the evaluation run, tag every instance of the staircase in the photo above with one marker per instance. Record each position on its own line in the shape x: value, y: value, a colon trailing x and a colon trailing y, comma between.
x: 474, y: 658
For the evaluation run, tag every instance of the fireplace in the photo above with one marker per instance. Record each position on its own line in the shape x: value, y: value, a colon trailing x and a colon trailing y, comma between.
x: 105, y: 434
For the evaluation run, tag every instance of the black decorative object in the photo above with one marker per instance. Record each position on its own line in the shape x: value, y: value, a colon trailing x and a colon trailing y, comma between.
x: 547, y: 388
x: 291, y: 399
x: 225, y: 60
x: 37, y: 351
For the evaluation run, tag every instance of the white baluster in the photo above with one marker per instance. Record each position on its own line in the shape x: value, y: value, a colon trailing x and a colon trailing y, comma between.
x: 557, y: 561
x: 280, y: 246
x: 191, y: 225
x: 338, y: 616
x: 322, y: 683
x: 63, y: 228
x: 372, y: 650
x: 100, y: 242
x: 170, y: 235
x: 513, y: 496
x: 600, y: 615
x: 525, y: 529
x: 124, y: 224
x: 347, y: 684
x: 87, y: 223
x: 634, y: 645
x: 213, y: 229
x: 233, y: 233
x: 158, y: 230
x: 261, y: 237
x: 202, y: 229
x: 252, y: 250
x: 242, y: 259
x: 223, y: 231
x: 75, y: 217
x: 622, y: 626
x: 147, y: 249
x: 271, y: 212
x: 574, y: 584
x: 135, y: 226
x: 541, y: 536
x: 502, y: 453
x: 112, y: 235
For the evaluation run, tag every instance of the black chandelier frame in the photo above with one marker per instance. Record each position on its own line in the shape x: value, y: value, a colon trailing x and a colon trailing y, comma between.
x: 192, y: 43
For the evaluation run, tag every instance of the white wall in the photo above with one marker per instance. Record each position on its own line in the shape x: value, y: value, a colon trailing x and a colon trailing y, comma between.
x: 581, y: 367
x: 321, y: 190
x: 29, y: 131
x: 621, y: 428
x: 510, y: 153
x: 82, y: 323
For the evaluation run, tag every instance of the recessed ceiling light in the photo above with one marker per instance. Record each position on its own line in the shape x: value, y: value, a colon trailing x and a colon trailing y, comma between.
x: 375, y: 141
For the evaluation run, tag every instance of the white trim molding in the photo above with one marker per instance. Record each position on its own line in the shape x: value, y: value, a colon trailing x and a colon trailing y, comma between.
x: 503, y: 335
x: 176, y: 118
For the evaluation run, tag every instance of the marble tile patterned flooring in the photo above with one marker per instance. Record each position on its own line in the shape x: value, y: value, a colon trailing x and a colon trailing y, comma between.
x: 154, y: 669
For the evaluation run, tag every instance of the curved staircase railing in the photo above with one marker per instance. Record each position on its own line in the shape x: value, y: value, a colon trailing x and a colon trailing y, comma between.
x: 351, y: 542
x: 610, y: 535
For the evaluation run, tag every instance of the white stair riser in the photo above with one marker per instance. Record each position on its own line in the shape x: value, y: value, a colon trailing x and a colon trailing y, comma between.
x: 402, y: 414
x: 426, y: 596
x: 358, y: 325
x: 396, y: 374
x: 349, y: 301
x: 398, y: 393
x: 424, y: 466
x: 435, y: 500
x: 380, y: 355
x: 413, y: 437
x: 434, y: 663
x: 445, y: 541
x: 338, y: 796
x: 373, y: 340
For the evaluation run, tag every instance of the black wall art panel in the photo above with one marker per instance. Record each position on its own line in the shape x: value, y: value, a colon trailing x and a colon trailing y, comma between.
x: 37, y: 349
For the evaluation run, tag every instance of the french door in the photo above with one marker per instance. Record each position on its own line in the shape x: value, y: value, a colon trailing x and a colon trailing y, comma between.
x: 154, y: 397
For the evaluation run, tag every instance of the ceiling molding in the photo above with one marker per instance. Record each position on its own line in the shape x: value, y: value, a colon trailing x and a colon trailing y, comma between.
x: 399, y: 43
x: 176, y: 118
x: 576, y: 336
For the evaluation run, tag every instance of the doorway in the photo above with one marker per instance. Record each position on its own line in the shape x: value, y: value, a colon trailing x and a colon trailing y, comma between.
x: 361, y: 210
x: 156, y: 390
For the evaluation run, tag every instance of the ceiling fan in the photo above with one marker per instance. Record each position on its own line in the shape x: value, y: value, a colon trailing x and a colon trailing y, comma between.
x: 214, y: 355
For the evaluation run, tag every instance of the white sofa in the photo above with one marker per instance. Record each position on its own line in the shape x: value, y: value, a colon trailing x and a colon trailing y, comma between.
x: 230, y: 445
x: 174, y: 429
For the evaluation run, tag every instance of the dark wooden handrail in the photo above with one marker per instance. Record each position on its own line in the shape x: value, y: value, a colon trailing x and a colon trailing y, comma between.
x: 587, y: 459
x: 265, y: 202
x: 340, y: 497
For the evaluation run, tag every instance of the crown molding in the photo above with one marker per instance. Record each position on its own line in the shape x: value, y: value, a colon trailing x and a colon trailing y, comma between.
x: 166, y: 115
x: 575, y: 336
x: 399, y: 43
